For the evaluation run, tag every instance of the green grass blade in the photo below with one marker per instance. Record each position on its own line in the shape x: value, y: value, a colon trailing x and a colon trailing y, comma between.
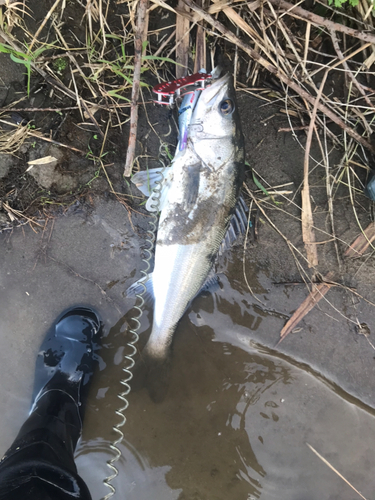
x: 259, y: 185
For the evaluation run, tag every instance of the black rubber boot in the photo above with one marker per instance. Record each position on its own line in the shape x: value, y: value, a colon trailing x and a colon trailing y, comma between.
x: 67, y: 356
x: 41, y: 460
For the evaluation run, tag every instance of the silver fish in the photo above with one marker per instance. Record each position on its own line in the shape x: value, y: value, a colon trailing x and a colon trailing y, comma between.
x: 198, y: 210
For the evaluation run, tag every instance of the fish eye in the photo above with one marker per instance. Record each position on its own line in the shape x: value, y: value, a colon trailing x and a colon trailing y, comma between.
x: 226, y: 107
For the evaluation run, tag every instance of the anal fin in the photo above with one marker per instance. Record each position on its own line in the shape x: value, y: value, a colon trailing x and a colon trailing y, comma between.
x: 237, y: 225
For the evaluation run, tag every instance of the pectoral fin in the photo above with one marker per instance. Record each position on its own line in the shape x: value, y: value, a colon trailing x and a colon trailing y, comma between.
x: 143, y: 287
x: 147, y: 180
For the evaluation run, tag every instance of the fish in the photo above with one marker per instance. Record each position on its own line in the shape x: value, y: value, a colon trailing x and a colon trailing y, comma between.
x: 201, y: 213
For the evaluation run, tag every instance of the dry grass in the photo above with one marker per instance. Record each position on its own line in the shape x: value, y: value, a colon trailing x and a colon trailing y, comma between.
x: 289, y: 49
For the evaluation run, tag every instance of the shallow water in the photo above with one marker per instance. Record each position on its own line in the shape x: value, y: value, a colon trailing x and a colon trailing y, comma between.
x: 237, y: 417
x: 234, y: 424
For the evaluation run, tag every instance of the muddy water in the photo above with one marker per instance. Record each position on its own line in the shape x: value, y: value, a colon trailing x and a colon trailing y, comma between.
x: 236, y: 419
x: 234, y: 424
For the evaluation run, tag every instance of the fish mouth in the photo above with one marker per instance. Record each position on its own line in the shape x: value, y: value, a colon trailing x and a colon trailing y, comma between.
x: 210, y: 94
x: 219, y: 81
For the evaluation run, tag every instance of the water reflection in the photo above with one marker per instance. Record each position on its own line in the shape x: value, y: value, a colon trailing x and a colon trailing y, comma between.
x: 138, y: 479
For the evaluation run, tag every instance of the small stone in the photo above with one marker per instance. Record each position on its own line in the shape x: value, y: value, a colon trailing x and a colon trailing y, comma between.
x: 6, y: 161
x: 3, y: 218
x: 45, y: 175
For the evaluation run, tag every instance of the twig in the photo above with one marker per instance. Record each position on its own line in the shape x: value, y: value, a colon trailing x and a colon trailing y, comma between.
x: 138, y: 42
x: 34, y: 110
x: 75, y: 273
x: 275, y: 71
x: 289, y: 129
x: 334, y: 470
x: 47, y: 139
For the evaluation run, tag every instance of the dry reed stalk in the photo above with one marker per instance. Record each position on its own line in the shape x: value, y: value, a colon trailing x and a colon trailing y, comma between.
x: 52, y: 81
x: 200, y: 44
x: 13, y: 13
x: 362, y: 242
x: 165, y: 5
x: 11, y: 141
x: 43, y: 23
x: 335, y: 470
x: 308, y: 234
x: 138, y: 44
x: 165, y: 43
x: 182, y: 49
x: 340, y: 55
x: 16, y: 214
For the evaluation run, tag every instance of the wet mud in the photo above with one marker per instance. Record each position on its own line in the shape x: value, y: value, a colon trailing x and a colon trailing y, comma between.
x: 238, y: 413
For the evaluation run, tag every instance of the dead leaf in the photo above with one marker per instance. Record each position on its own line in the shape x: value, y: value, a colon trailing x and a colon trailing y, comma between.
x: 311, y: 300
x: 92, y: 109
x: 41, y: 161
x: 308, y: 234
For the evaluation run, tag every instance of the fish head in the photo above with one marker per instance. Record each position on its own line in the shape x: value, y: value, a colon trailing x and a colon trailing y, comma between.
x: 215, y: 128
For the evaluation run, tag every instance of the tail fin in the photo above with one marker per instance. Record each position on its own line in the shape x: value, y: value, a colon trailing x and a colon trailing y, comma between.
x: 153, y: 373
